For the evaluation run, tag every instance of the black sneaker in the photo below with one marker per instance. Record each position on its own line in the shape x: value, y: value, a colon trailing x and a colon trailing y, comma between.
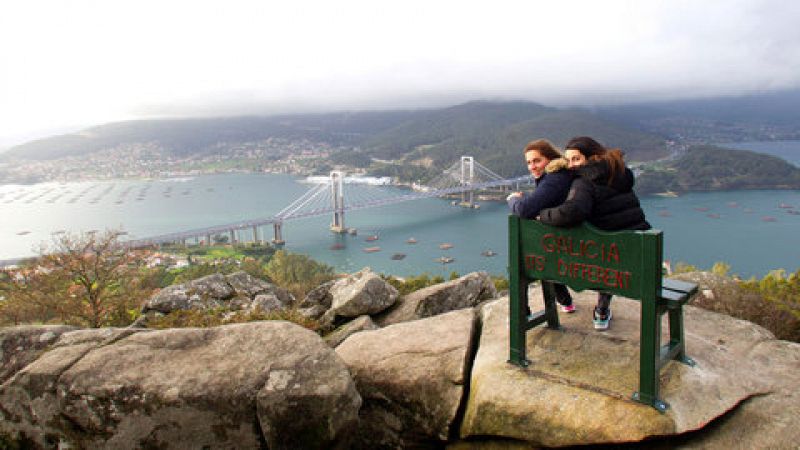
x: 601, y: 321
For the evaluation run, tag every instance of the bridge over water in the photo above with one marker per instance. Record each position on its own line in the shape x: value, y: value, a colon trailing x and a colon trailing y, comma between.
x: 464, y: 178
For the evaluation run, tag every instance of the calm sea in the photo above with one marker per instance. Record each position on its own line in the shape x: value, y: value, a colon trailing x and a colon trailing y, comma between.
x: 753, y: 230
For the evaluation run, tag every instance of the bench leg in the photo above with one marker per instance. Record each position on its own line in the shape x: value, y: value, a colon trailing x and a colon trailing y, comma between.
x: 649, y: 354
x: 517, y: 318
x: 676, y: 336
x: 550, y: 310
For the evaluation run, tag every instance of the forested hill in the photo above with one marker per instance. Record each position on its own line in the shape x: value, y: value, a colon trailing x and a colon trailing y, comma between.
x: 711, y: 168
x: 493, y: 132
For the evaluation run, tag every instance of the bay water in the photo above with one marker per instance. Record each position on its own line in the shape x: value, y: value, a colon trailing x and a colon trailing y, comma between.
x: 753, y: 231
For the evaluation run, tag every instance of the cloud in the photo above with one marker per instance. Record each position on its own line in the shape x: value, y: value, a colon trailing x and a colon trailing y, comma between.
x: 89, y: 62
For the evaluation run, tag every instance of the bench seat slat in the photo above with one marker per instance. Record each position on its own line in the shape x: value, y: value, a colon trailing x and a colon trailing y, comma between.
x: 679, y: 286
x: 672, y: 298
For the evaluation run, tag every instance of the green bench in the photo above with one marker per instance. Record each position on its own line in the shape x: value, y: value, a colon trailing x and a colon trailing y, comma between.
x: 625, y: 263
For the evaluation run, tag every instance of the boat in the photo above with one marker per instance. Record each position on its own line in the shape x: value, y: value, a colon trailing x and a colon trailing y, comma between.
x: 488, y: 253
x: 701, y: 208
x: 665, y: 214
x: 411, y: 240
x: 372, y: 249
x: 374, y: 237
x: 445, y: 246
x: 352, y: 231
x: 337, y: 246
x: 793, y: 212
x: 713, y: 215
x: 444, y: 259
x: 769, y: 219
x: 733, y: 205
x: 398, y: 256
x: 669, y: 194
x: 785, y: 206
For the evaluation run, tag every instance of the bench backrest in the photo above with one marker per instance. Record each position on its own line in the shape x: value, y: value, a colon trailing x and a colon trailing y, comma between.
x: 626, y: 263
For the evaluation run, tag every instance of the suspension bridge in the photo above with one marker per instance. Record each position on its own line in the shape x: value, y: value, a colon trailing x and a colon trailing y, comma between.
x: 463, y: 179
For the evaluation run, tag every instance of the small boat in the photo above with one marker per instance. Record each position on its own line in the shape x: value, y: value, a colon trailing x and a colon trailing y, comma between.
x: 372, y: 249
x: 488, y: 253
x: 769, y: 219
x: 669, y: 194
x: 793, y: 212
x: 411, y: 240
x: 785, y: 206
x: 374, y: 237
x: 446, y: 246
x: 665, y: 213
x: 444, y: 259
x: 398, y: 256
x: 701, y: 209
x: 713, y: 215
x: 747, y: 210
x: 337, y: 246
x: 733, y: 205
x: 352, y: 231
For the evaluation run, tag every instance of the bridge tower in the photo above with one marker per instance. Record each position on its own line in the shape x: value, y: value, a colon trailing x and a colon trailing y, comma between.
x: 278, y: 233
x: 337, y: 201
x: 467, y: 177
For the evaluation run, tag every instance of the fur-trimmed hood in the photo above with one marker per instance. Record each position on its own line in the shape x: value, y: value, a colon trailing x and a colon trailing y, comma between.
x: 557, y: 165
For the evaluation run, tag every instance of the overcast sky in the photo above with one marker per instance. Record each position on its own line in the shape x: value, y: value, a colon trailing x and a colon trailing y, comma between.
x: 68, y: 64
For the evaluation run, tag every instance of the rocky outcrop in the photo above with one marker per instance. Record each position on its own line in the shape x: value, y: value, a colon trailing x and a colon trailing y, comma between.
x: 411, y: 377
x: 363, y: 292
x: 578, y: 388
x: 336, y: 337
x: 463, y: 292
x: 237, y: 291
x: 233, y: 386
x: 20, y: 346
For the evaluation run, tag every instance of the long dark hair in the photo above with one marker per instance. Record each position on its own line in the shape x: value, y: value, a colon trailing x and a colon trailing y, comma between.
x: 594, y: 151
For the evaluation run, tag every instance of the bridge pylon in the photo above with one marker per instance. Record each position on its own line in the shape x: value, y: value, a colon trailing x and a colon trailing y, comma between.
x: 277, y: 238
x: 337, y: 201
x: 467, y: 177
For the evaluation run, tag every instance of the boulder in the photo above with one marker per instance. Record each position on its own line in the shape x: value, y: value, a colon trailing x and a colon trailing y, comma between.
x: 19, y: 346
x: 463, y: 292
x: 319, y: 296
x: 577, y: 390
x: 362, y: 323
x: 411, y: 377
x: 363, y: 292
x: 236, y: 386
x: 238, y: 290
x: 266, y: 303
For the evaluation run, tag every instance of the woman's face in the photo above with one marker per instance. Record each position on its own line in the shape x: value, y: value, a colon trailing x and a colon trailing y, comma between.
x: 574, y: 157
x: 536, y: 163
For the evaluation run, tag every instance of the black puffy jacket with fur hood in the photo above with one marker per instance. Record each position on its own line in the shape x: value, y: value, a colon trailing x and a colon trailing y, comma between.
x: 607, y: 206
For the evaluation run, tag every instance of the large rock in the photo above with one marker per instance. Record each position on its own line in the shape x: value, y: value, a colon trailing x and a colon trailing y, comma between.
x: 411, y: 376
x: 363, y: 292
x: 337, y: 336
x: 19, y: 346
x: 577, y: 390
x: 238, y: 290
x: 463, y: 292
x: 319, y: 296
x: 236, y: 386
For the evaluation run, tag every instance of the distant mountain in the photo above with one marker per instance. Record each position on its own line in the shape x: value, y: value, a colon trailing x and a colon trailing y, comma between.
x: 767, y: 116
x: 712, y: 168
x: 492, y: 132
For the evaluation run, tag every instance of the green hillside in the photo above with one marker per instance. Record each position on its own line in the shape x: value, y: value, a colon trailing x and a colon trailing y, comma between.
x: 711, y: 168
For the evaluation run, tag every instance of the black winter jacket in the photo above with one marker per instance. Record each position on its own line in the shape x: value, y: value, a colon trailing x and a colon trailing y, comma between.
x: 607, y: 207
x: 551, y: 190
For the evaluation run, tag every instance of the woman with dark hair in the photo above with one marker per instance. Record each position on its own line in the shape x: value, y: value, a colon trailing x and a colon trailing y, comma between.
x: 552, y: 182
x: 602, y: 193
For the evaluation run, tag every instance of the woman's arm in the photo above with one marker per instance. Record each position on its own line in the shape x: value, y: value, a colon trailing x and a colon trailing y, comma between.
x: 549, y: 193
x: 575, y: 209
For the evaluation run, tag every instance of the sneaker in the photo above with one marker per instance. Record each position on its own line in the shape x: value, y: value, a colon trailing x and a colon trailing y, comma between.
x: 569, y: 309
x: 601, y: 321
